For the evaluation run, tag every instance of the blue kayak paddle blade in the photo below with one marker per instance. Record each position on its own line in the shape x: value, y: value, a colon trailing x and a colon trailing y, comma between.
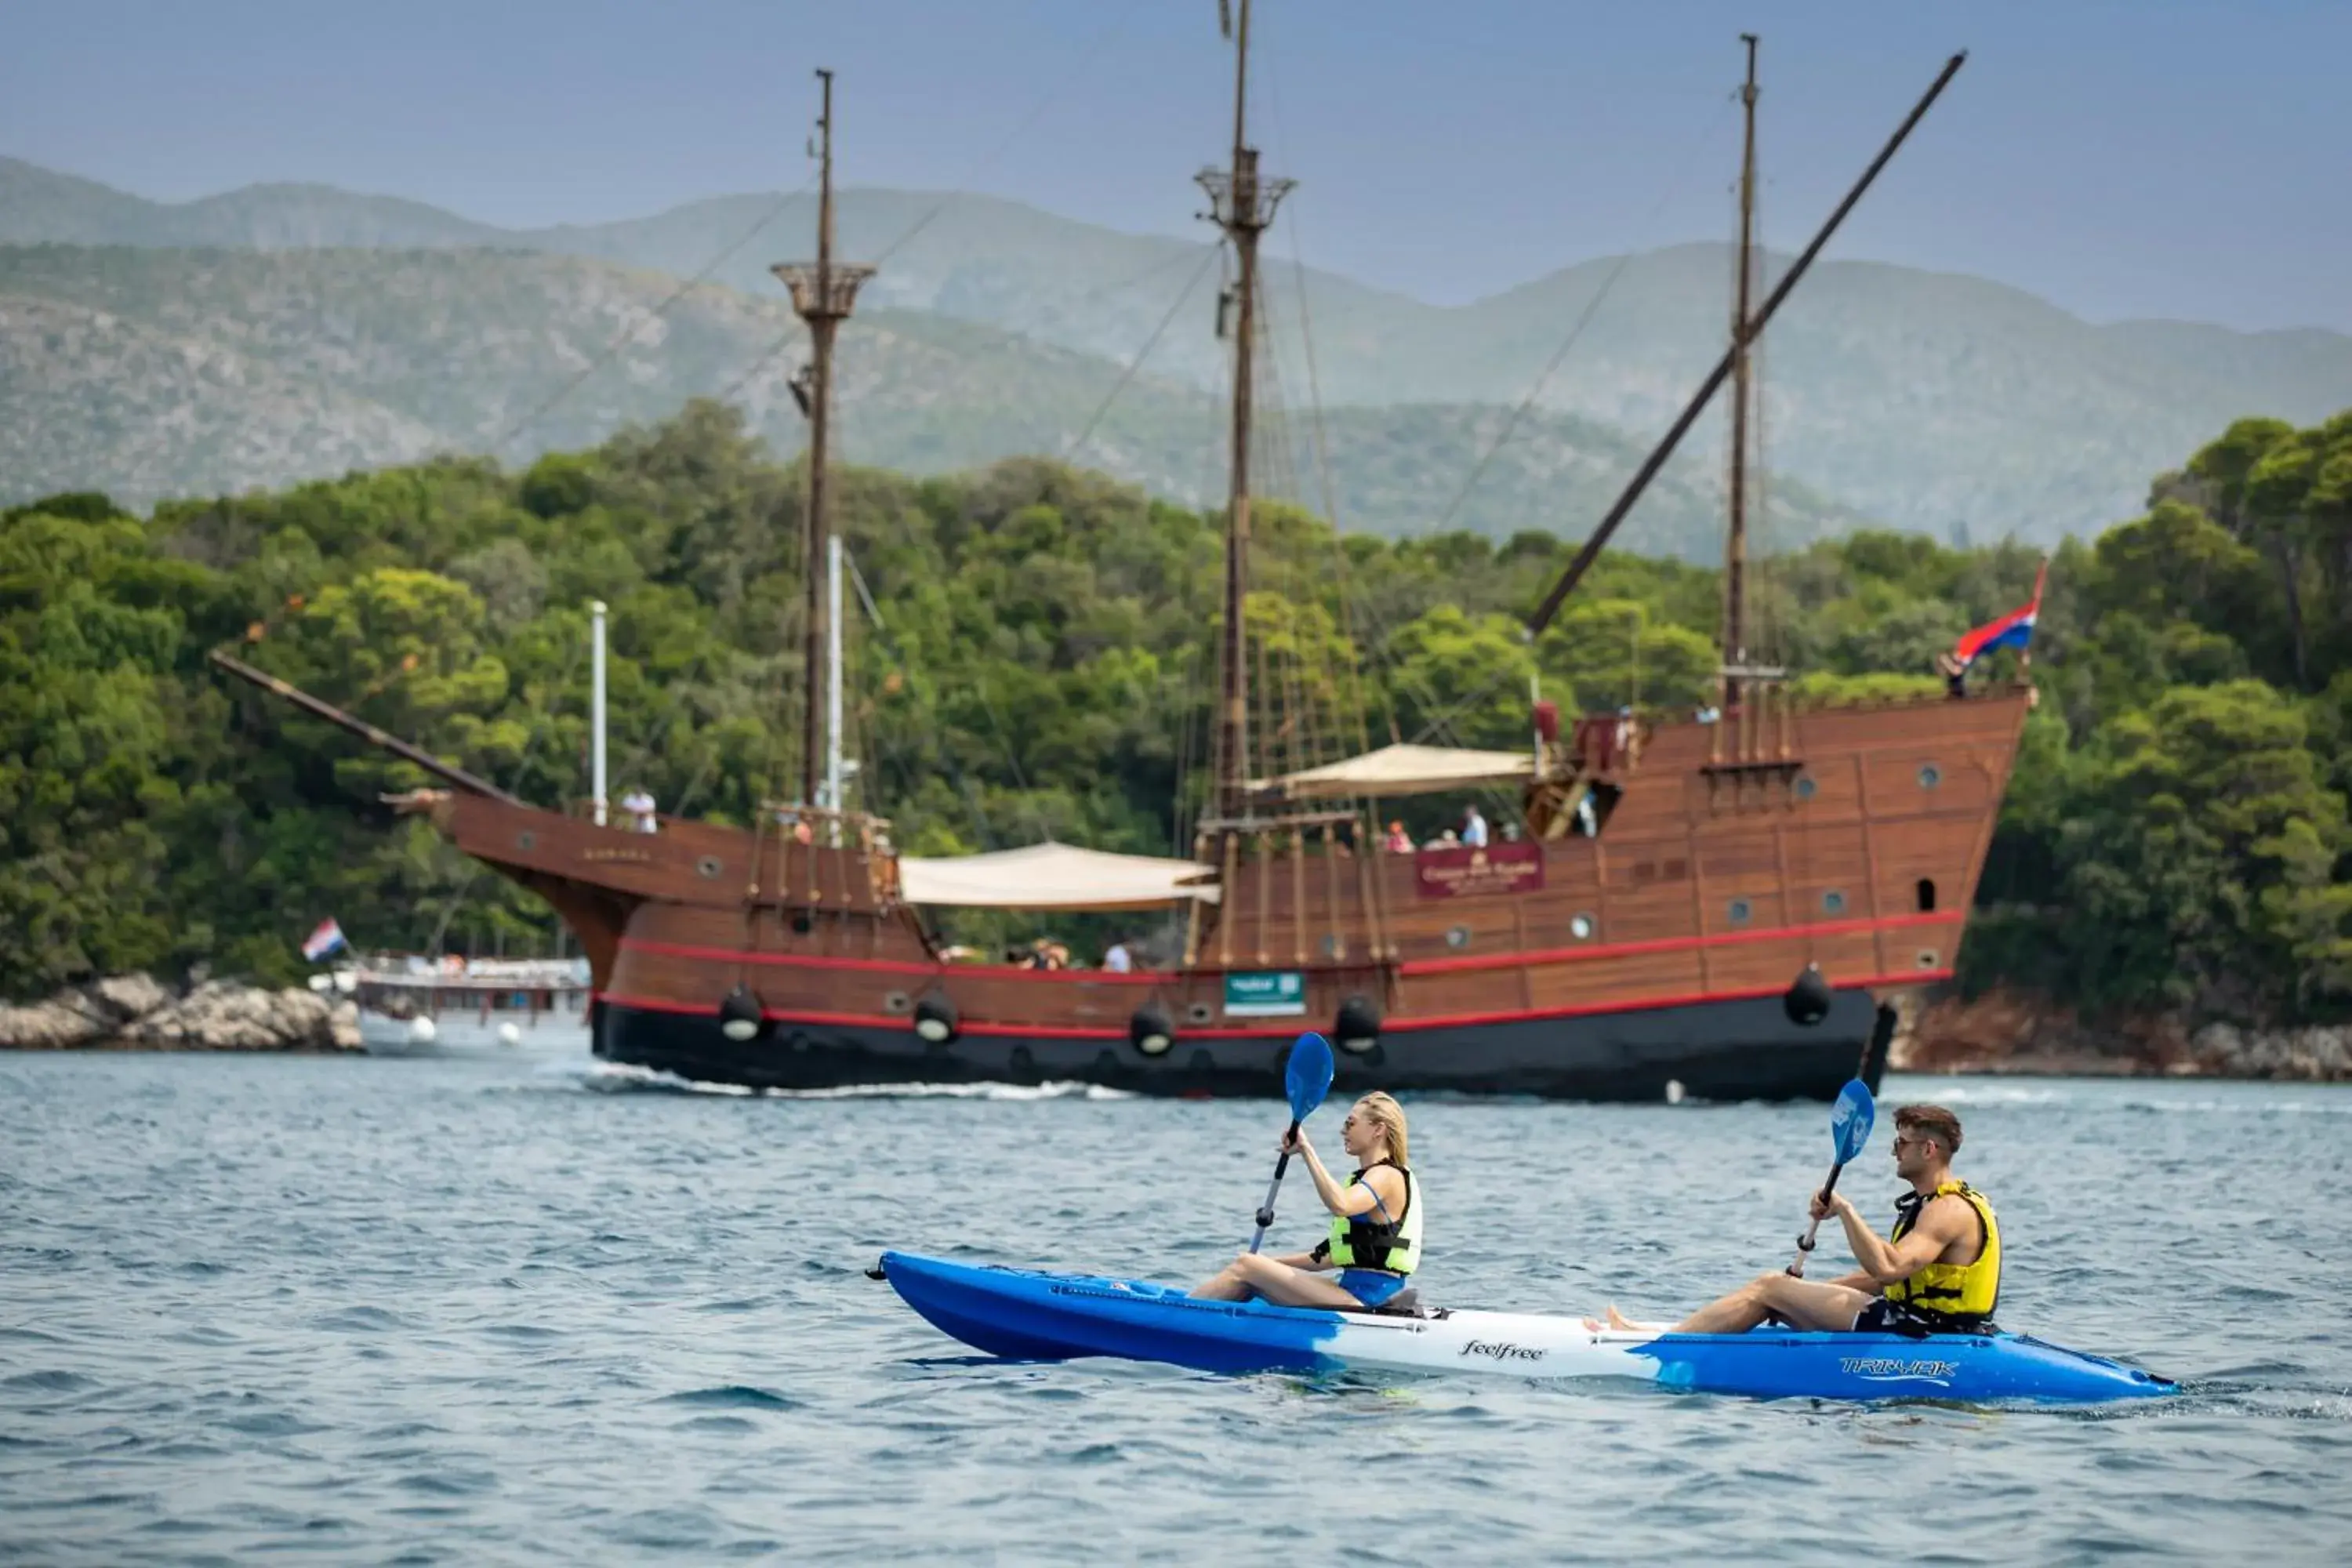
x: 1850, y: 1118
x: 1308, y: 1077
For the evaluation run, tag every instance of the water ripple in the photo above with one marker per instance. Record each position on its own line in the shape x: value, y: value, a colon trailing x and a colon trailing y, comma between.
x: 443, y: 1311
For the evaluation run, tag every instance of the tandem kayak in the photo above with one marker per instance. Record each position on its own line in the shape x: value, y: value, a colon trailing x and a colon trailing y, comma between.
x: 1024, y: 1315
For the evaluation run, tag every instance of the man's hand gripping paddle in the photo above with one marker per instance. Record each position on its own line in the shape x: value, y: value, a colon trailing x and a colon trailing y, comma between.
x: 1307, y: 1080
x: 1849, y: 1122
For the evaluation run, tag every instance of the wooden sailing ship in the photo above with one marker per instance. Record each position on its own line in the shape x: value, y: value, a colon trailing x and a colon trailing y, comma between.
x: 1720, y: 906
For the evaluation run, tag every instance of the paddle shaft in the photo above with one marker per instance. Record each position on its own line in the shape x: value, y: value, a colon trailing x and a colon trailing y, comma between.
x: 1265, y: 1210
x: 1805, y: 1242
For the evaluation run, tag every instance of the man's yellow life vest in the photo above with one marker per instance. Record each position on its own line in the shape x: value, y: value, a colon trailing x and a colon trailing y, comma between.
x: 1954, y: 1296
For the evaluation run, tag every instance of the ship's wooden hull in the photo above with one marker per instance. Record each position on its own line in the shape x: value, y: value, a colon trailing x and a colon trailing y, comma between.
x: 1600, y: 968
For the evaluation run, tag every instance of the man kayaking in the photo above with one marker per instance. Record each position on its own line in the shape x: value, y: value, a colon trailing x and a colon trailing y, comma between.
x: 1375, y: 1240
x: 1938, y: 1271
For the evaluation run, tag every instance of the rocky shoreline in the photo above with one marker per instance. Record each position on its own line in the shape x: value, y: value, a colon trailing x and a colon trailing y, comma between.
x: 2009, y: 1032
x: 134, y: 1013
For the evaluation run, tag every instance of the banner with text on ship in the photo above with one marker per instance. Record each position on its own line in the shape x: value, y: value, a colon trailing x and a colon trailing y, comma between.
x: 1463, y: 873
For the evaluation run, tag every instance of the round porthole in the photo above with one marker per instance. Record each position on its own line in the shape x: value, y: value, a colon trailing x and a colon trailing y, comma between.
x: 1581, y: 927
x: 526, y: 840
x: 1458, y: 937
x: 1930, y: 776
x: 800, y: 923
x: 1834, y: 903
x: 708, y: 866
x: 1927, y: 958
x: 1199, y: 1013
x: 898, y: 1002
x: 1741, y: 911
x: 1806, y: 787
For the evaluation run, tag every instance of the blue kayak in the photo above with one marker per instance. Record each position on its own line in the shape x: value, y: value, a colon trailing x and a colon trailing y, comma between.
x: 1030, y: 1316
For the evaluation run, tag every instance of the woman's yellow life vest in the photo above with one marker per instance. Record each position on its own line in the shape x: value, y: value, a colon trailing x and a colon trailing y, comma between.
x: 1956, y: 1297
x: 1371, y: 1240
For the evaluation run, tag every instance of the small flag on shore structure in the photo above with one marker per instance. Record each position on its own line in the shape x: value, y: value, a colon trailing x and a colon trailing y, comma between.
x: 2014, y: 629
x: 324, y: 941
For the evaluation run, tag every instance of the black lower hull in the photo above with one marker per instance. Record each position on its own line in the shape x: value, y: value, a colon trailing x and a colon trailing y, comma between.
x: 1728, y: 1050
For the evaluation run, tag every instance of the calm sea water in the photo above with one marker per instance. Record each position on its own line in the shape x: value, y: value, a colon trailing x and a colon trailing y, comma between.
x: 346, y: 1310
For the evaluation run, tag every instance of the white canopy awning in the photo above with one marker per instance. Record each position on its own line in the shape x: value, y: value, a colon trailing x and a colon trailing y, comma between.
x: 1405, y: 770
x: 1054, y: 877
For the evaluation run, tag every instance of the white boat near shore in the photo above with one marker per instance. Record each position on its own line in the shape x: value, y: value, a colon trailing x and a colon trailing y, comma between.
x: 412, y: 1006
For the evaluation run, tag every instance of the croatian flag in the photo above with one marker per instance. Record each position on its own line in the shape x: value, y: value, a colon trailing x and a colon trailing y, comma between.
x: 324, y: 941
x: 2014, y: 629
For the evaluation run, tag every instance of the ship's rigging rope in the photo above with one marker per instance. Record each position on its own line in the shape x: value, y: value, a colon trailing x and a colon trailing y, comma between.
x: 1355, y: 668
x: 768, y: 355
x: 908, y: 770
x: 628, y: 332
x: 1441, y: 724
x: 1584, y: 319
x: 1127, y: 373
x: 1045, y: 101
x: 522, y: 769
x: 1075, y: 72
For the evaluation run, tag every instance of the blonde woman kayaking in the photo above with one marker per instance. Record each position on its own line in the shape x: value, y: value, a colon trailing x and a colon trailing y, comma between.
x: 1375, y: 1240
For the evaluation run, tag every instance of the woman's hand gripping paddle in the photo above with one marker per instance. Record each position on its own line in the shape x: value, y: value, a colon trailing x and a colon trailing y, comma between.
x: 1306, y: 1079
x: 1850, y: 1122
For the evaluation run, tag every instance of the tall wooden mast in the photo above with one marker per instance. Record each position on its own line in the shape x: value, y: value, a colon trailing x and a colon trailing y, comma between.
x: 1735, y: 551
x: 1742, y: 686
x: 823, y: 296
x: 1242, y: 205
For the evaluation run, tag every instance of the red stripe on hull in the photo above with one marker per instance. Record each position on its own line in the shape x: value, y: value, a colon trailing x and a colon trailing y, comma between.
x: 1412, y: 967
x: 1671, y: 944
x: 899, y: 966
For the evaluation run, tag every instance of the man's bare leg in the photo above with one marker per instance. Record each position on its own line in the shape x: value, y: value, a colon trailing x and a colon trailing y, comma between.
x: 1802, y: 1303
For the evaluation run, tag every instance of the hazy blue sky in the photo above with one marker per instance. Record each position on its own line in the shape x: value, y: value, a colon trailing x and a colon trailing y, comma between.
x: 2121, y: 157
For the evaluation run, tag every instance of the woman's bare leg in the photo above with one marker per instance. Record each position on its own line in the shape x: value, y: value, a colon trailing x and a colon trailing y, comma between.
x: 1254, y: 1274
x: 1225, y: 1284
x: 1287, y: 1287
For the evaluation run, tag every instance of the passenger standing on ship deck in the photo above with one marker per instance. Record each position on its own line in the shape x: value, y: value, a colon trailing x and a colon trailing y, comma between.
x: 1117, y: 960
x: 1375, y: 1240
x: 1474, y: 829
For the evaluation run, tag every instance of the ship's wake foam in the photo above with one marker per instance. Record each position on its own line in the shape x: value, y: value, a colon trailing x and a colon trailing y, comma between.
x: 621, y: 1078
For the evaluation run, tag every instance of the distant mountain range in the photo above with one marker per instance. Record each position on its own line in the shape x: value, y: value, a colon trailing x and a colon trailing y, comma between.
x: 152, y: 373
x: 143, y: 363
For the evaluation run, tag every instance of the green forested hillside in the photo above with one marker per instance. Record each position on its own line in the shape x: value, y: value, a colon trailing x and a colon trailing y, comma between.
x: 2173, y: 836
